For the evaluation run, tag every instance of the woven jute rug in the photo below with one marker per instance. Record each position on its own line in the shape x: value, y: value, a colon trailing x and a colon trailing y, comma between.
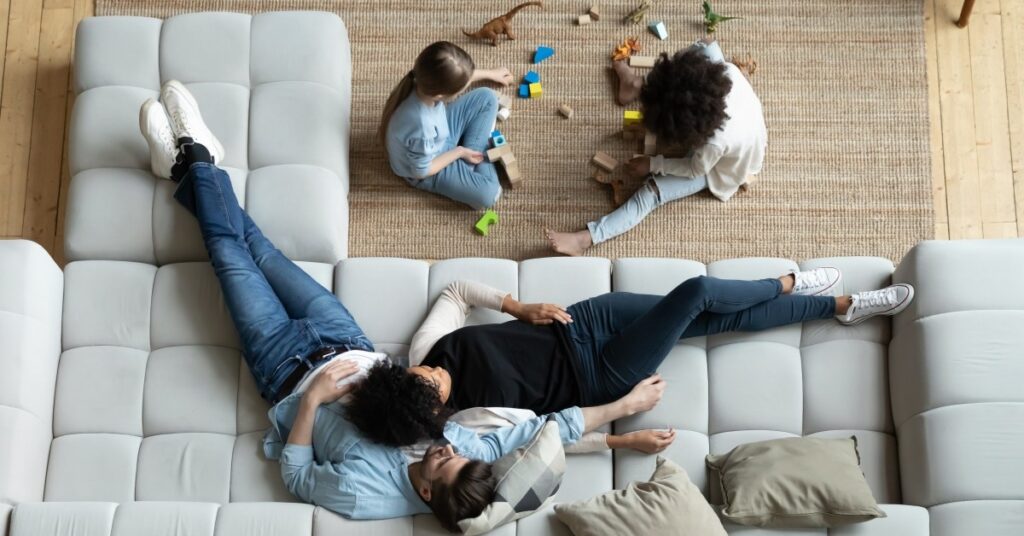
x: 844, y: 92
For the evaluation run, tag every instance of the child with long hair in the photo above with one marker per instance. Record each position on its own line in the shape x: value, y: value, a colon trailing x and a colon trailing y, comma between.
x: 435, y: 138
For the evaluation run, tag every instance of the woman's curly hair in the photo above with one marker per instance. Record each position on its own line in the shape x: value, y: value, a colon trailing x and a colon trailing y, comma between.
x: 396, y: 408
x: 684, y: 98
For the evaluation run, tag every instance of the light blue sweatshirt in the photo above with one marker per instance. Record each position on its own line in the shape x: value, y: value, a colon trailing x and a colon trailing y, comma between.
x: 348, y: 474
x: 417, y: 133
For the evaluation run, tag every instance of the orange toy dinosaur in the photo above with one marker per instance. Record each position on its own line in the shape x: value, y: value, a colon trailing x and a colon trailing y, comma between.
x: 500, y: 25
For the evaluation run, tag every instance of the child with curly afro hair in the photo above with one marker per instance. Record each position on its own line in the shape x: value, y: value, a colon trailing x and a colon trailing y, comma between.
x: 703, y: 106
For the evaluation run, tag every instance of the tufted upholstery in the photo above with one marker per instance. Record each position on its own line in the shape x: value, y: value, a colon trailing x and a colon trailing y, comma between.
x: 274, y: 88
x: 125, y: 406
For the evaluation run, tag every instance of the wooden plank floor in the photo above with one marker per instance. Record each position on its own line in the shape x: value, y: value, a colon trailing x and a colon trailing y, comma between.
x: 976, y: 107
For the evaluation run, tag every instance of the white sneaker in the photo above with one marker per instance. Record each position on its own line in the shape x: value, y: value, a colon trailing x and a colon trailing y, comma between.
x: 888, y: 301
x: 816, y: 282
x: 186, y: 121
x: 156, y: 128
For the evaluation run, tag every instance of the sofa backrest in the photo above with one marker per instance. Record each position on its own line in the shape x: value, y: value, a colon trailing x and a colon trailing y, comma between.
x: 957, y: 381
x: 275, y: 89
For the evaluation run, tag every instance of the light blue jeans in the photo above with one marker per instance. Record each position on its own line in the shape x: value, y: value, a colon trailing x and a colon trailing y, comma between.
x: 657, y: 191
x: 470, y: 121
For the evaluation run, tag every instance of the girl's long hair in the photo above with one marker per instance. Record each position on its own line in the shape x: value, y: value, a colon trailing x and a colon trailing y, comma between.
x: 442, y: 68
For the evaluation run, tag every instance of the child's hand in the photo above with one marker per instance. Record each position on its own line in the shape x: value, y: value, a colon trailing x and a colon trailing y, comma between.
x: 501, y: 76
x: 650, y: 441
x: 638, y: 168
x: 471, y: 156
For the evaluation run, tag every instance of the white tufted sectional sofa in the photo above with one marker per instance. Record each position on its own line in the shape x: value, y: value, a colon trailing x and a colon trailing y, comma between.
x: 126, y: 409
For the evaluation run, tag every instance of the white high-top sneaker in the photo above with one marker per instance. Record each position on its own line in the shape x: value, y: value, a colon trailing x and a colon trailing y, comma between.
x: 816, y: 282
x: 156, y: 128
x: 888, y: 301
x: 186, y: 121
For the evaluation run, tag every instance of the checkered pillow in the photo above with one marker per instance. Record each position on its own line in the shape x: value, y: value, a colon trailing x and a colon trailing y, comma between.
x: 527, y: 480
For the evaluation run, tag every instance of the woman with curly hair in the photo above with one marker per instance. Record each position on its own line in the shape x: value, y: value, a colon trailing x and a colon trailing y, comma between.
x: 706, y: 107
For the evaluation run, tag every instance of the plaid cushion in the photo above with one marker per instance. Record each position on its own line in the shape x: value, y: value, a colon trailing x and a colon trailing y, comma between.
x: 527, y: 479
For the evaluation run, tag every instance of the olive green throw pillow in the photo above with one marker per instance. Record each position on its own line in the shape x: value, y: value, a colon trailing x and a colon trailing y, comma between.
x: 794, y: 482
x: 668, y: 504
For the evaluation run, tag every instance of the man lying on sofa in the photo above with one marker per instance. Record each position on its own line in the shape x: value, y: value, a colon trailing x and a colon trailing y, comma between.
x: 290, y: 326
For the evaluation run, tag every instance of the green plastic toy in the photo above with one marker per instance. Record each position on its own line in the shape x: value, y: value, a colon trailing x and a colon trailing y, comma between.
x: 712, y: 19
x: 483, y: 225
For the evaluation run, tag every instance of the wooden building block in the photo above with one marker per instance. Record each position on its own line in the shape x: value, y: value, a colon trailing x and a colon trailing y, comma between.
x: 594, y: 13
x: 650, y: 143
x: 602, y: 177
x: 642, y: 62
x: 565, y: 110
x: 536, y: 91
x: 631, y: 118
x: 508, y: 159
x: 605, y: 161
x: 495, y: 154
x: 583, y: 20
x: 514, y: 175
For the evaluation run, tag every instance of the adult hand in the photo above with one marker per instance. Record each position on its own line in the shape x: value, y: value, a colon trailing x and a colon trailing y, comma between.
x: 324, y: 389
x: 471, y: 156
x: 541, y: 313
x: 638, y: 167
x: 649, y: 441
x: 646, y: 394
x: 501, y: 76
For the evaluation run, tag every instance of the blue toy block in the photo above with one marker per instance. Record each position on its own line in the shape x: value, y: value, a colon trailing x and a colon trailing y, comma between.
x: 497, y: 138
x: 531, y: 78
x: 658, y: 28
x: 543, y: 53
x: 524, y: 91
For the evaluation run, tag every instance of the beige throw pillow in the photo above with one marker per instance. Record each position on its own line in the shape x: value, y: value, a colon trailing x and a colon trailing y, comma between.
x: 794, y: 482
x: 668, y: 504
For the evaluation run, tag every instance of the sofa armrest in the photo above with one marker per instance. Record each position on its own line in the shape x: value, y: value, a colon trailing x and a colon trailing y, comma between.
x: 31, y: 299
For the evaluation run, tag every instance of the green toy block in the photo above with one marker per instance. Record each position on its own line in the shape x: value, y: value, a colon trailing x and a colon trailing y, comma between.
x: 483, y: 225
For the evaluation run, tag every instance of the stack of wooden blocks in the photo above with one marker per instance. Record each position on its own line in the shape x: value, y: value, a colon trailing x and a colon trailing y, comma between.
x: 502, y: 152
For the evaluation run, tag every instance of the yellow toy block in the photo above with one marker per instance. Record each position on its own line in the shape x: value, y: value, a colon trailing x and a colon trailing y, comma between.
x: 631, y: 118
x: 535, y: 90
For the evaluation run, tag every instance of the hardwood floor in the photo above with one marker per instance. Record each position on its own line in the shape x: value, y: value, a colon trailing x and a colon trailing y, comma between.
x: 976, y: 104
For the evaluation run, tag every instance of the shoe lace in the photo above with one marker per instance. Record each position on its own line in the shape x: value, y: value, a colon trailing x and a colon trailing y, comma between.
x: 876, y: 299
x: 814, y: 278
x: 166, y: 136
x: 181, y: 120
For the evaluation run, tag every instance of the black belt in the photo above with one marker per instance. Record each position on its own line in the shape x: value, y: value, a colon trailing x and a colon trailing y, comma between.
x: 314, y: 359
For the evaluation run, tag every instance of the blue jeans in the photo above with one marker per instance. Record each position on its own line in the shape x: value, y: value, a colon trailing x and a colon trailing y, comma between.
x: 281, y: 313
x: 621, y: 338
x: 657, y: 191
x: 470, y: 120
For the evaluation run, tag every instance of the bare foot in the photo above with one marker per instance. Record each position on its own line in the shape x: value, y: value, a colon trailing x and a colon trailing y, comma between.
x: 629, y: 83
x: 572, y: 244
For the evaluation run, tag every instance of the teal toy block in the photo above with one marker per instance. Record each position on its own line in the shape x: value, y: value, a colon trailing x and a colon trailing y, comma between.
x: 543, y: 53
x: 497, y: 138
x: 658, y: 28
x: 524, y: 91
x: 483, y: 225
x: 532, y: 78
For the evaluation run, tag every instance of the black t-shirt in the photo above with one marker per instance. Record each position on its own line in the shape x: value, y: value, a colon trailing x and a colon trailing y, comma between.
x: 514, y: 365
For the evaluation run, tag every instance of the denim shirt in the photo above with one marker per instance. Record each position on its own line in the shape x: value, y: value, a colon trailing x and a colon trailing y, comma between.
x: 349, y: 474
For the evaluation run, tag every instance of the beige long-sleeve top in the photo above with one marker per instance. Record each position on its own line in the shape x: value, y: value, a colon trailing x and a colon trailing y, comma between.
x: 735, y: 152
x: 449, y: 314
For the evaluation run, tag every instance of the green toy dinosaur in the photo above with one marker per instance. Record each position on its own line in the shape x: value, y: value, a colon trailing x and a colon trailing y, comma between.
x: 711, y: 19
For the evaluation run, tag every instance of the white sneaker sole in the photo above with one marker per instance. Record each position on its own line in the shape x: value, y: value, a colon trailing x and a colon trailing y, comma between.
x: 217, y: 148
x: 155, y: 147
x: 896, y: 309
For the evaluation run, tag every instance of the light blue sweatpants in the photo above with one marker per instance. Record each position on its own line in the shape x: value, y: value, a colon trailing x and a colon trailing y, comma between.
x: 470, y: 120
